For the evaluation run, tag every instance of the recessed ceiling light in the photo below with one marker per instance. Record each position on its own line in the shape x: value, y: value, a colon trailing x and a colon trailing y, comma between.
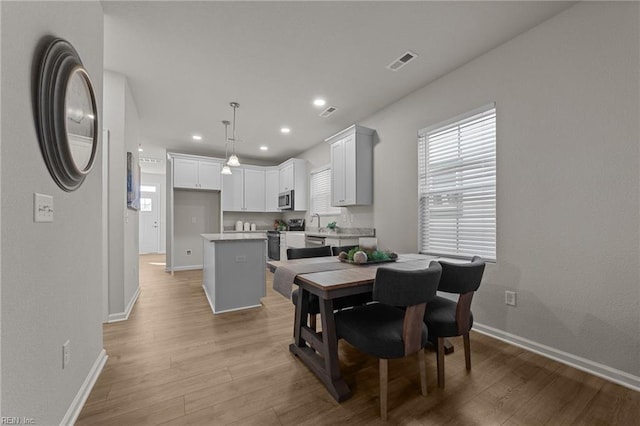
x: 319, y: 102
x: 285, y: 130
x: 196, y: 137
x: 264, y: 148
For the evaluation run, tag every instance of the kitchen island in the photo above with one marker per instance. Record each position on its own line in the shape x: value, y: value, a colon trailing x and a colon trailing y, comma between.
x: 234, y: 270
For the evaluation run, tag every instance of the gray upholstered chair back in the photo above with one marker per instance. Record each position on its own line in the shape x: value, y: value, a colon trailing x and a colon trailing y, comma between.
x: 398, y: 287
x: 461, y: 278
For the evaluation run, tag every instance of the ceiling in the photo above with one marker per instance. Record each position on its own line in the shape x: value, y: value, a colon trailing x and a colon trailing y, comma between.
x: 185, y: 61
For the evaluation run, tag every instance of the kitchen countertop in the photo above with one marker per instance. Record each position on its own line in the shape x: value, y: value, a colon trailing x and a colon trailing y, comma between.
x: 236, y: 236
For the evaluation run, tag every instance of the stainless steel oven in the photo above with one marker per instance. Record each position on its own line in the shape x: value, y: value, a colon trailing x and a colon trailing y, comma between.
x: 285, y: 200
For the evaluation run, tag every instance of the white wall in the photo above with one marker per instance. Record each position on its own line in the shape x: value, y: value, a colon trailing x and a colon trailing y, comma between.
x: 51, y: 272
x: 195, y: 212
x: 121, y: 118
x: 567, y: 97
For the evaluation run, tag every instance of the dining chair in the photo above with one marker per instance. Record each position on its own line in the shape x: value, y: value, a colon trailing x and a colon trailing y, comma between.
x: 337, y: 249
x: 305, y: 253
x: 384, y: 329
x: 448, y: 318
x: 314, y: 302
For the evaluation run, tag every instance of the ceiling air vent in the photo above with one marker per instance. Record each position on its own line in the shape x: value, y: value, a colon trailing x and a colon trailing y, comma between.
x: 150, y: 160
x: 328, y: 111
x: 402, y: 61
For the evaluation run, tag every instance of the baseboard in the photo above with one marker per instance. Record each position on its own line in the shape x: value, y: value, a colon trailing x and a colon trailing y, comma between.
x: 123, y: 316
x: 83, y: 393
x: 208, y: 298
x: 183, y: 268
x: 617, y: 376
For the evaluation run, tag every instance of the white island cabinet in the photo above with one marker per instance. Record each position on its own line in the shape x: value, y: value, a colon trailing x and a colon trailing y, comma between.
x: 234, y: 270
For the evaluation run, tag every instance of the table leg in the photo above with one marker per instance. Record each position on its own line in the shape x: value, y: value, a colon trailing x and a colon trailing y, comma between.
x: 321, y: 353
x: 301, y: 313
x: 340, y: 389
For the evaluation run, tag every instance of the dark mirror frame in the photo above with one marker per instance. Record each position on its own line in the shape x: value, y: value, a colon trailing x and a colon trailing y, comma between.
x: 57, y: 65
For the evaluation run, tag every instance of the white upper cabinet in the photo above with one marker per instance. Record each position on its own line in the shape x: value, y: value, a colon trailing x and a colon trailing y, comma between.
x: 294, y: 177
x: 254, y: 189
x: 287, y: 176
x: 272, y: 188
x: 244, y: 189
x: 209, y: 175
x: 352, y: 167
x: 196, y: 174
x: 233, y: 190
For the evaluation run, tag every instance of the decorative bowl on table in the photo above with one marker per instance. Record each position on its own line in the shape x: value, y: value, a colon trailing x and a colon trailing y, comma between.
x: 358, y: 256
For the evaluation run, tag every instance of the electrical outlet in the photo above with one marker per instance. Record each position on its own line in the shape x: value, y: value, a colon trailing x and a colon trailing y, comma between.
x: 189, y: 252
x: 42, y: 208
x: 66, y: 354
x: 510, y: 298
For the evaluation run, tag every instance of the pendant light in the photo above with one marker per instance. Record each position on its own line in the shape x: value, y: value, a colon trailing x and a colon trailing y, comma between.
x: 226, y: 170
x: 233, y: 160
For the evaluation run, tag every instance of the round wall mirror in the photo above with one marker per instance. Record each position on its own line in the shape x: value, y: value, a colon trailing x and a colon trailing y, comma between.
x: 67, y: 115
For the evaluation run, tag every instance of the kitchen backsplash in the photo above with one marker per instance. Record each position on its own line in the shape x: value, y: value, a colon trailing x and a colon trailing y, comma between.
x: 350, y: 217
x: 263, y: 221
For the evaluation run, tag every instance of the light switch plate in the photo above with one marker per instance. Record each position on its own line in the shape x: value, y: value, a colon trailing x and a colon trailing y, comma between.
x: 42, y: 208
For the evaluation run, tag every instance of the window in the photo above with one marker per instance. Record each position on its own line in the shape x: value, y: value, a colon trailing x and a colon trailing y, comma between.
x: 320, y: 193
x: 145, y: 205
x: 457, y: 186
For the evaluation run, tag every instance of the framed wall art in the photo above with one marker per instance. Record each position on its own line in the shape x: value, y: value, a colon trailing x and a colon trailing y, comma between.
x: 133, y: 183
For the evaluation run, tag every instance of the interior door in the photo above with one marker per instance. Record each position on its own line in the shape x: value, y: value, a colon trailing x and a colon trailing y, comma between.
x: 149, y: 219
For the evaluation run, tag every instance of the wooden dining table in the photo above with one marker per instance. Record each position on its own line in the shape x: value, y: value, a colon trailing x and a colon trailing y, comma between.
x: 319, y: 350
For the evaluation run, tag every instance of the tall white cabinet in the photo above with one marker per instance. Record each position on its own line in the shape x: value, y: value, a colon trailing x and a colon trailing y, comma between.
x: 352, y: 167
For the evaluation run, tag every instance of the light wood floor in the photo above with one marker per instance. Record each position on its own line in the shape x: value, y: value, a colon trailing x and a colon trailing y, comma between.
x: 175, y: 363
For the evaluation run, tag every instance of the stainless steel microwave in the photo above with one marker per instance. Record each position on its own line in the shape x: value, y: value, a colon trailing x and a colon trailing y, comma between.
x: 285, y: 200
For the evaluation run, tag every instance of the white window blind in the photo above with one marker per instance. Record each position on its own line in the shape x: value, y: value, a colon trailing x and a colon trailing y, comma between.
x: 457, y: 186
x: 321, y: 192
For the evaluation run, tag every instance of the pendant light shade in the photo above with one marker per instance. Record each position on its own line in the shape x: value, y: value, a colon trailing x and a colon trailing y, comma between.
x: 225, y: 170
x: 233, y: 161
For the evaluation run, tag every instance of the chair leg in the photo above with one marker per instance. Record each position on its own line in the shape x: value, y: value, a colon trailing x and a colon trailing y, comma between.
x: 423, y: 372
x: 467, y: 351
x: 440, y: 360
x: 312, y: 321
x: 384, y: 377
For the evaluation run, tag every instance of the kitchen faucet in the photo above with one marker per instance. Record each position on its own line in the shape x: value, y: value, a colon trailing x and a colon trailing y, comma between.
x: 316, y: 214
